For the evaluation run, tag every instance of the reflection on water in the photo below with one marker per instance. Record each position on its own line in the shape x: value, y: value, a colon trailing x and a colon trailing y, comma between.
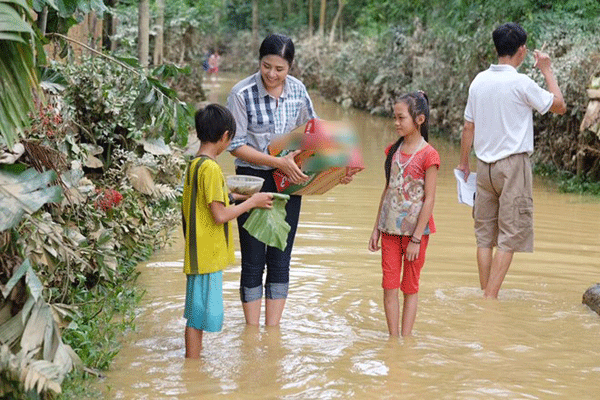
x: 537, y: 342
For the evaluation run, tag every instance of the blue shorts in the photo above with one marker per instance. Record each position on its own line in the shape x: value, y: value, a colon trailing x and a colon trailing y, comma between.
x: 204, y: 301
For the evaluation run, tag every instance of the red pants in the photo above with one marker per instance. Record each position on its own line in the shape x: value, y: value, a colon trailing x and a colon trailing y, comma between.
x: 393, y: 257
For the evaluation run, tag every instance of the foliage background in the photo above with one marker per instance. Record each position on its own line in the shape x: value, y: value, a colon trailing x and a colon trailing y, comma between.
x: 385, y: 48
x: 98, y: 119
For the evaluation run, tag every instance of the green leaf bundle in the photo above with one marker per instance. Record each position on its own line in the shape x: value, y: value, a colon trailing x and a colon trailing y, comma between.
x: 269, y: 225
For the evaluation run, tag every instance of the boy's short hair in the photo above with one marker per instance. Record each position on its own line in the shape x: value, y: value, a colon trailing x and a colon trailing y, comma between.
x: 212, y: 122
x: 508, y: 38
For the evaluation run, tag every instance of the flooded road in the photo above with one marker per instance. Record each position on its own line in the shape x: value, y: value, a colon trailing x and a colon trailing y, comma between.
x: 537, y: 342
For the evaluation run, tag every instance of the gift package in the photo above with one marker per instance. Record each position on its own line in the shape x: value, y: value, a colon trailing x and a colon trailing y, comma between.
x: 329, y: 151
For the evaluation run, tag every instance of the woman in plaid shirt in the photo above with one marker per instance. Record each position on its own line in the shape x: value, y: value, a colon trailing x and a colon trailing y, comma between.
x: 266, y: 105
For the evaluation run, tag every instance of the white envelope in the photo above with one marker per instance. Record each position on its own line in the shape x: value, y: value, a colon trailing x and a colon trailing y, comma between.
x: 466, y: 190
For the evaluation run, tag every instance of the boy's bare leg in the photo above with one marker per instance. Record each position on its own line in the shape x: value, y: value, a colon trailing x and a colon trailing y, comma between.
x: 409, y: 313
x: 193, y: 342
x: 273, y: 311
x: 391, y: 305
x: 500, y: 265
x: 252, y: 312
x: 484, y: 262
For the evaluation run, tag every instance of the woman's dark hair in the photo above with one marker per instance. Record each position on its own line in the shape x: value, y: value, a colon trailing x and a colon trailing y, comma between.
x: 212, y: 122
x: 508, y: 38
x: 418, y: 104
x: 278, y: 45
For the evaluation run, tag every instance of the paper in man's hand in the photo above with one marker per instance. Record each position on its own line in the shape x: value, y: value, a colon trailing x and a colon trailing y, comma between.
x: 466, y: 190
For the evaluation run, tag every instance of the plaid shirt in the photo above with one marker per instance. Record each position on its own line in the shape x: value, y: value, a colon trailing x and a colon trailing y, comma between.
x: 260, y: 117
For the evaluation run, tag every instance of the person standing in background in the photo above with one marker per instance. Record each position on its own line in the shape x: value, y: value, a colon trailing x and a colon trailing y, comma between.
x: 213, y: 64
x: 499, y: 126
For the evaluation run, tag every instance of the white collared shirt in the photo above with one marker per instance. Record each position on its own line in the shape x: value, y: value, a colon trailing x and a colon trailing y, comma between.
x: 500, y: 105
x: 260, y: 117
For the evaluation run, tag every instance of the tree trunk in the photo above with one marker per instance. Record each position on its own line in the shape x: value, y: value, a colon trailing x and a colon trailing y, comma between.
x: 219, y: 12
x: 43, y: 20
x: 254, y: 25
x: 278, y: 4
x: 143, y: 32
x: 311, y: 22
x: 95, y: 29
x: 322, y: 18
x: 160, y: 33
x: 107, y: 31
x: 109, y: 27
x: 338, y: 14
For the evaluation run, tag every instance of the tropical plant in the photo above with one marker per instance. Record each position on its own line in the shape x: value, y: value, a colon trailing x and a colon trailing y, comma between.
x: 25, y: 192
x: 17, y: 69
x: 21, y: 46
x: 31, y: 344
x: 112, y: 104
x: 90, y: 240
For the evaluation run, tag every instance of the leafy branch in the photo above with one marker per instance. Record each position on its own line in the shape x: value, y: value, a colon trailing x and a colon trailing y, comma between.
x: 156, y: 104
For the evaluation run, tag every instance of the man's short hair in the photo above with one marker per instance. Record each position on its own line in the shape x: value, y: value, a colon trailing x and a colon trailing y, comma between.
x: 508, y: 38
x: 212, y: 122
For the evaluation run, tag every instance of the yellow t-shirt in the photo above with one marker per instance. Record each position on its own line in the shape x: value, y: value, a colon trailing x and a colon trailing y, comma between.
x: 208, y: 246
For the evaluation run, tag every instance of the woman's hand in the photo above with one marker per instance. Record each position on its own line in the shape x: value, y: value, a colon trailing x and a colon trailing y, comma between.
x: 412, y: 251
x: 291, y: 169
x: 346, y: 179
x: 350, y: 172
x: 374, y: 241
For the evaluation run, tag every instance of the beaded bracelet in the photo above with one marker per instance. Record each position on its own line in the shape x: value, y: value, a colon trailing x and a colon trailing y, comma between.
x: 415, y: 240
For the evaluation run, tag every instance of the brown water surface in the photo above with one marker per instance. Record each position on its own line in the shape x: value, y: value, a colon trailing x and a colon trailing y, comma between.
x: 537, y: 342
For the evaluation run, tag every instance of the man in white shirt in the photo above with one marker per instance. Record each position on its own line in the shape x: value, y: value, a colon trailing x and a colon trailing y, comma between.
x: 499, y: 126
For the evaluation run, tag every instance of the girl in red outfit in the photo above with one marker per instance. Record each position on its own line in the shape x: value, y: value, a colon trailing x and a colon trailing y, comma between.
x: 404, y: 219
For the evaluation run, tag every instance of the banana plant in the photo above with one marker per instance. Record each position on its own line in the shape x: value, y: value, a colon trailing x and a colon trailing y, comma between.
x: 42, y: 359
x: 17, y: 69
x: 25, y: 192
x: 21, y: 49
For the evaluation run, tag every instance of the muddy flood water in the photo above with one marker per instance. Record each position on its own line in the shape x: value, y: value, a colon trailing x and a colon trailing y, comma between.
x: 536, y: 342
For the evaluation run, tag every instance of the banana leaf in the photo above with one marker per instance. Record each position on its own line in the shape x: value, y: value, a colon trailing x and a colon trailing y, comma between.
x: 34, y: 283
x: 269, y: 225
x: 17, y: 70
x: 25, y: 192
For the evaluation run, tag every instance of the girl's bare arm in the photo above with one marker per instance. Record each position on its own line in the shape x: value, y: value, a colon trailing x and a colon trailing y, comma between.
x: 376, y: 234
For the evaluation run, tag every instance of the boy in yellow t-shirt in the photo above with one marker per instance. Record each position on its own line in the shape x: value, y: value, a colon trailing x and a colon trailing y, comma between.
x: 208, y: 238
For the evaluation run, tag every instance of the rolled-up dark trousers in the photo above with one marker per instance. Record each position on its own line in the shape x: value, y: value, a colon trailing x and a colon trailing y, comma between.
x: 256, y: 255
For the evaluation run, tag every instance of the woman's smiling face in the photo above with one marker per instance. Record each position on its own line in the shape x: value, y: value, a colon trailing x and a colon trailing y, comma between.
x: 273, y: 70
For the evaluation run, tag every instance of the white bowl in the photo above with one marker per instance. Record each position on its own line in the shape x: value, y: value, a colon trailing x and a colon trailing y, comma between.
x: 244, y: 184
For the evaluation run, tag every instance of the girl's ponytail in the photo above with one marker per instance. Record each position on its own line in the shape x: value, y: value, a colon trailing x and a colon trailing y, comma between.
x: 388, y: 160
x: 422, y: 107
